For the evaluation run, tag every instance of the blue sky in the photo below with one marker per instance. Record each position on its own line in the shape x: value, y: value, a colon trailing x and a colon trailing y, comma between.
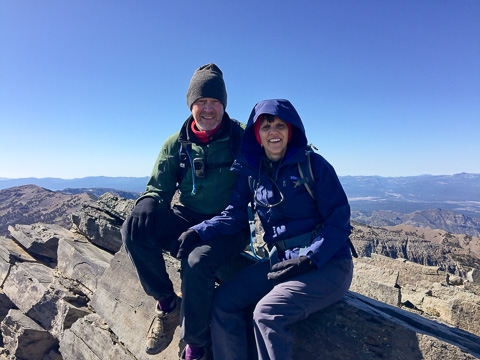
x: 384, y: 87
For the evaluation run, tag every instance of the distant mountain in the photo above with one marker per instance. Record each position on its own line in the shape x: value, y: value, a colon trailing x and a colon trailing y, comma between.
x: 426, y: 219
x: 135, y: 184
x: 459, y: 193
x: 132, y: 195
x: 30, y: 204
x: 424, y: 188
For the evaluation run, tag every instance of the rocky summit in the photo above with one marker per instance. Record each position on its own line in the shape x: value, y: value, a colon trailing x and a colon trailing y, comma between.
x: 72, y: 293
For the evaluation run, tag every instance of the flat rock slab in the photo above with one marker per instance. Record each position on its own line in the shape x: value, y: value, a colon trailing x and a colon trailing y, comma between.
x: 90, y: 339
x: 36, y: 292
x: 127, y: 310
x: 101, y: 223
x: 83, y: 262
x: 12, y: 252
x: 27, y: 284
x: 40, y: 239
x: 24, y: 338
x: 361, y: 328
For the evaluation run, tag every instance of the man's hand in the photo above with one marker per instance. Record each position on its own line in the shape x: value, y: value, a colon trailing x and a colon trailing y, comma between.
x: 184, y: 244
x: 290, y: 268
x: 139, y: 226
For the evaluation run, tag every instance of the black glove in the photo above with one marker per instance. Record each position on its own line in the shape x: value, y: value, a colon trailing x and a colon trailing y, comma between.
x: 184, y: 244
x: 139, y: 226
x: 290, y: 268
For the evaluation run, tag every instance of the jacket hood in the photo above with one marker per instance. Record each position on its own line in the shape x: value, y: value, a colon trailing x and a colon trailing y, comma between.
x: 252, y: 152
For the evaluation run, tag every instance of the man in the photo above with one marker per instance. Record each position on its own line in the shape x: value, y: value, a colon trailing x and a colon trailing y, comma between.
x: 197, y: 160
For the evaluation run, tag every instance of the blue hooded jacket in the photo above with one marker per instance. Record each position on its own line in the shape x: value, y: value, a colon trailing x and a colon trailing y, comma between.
x: 298, y: 213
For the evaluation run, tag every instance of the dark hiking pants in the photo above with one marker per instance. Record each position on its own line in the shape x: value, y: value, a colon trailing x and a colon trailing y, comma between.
x: 276, y: 306
x: 198, y: 269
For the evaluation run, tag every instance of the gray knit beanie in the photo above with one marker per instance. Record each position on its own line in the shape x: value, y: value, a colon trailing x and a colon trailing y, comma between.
x: 207, y: 82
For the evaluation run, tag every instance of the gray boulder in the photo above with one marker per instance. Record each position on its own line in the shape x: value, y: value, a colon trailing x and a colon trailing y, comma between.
x: 128, y: 311
x: 40, y: 239
x: 356, y: 327
x: 24, y: 339
x: 101, y: 223
x: 90, y: 339
x: 474, y: 276
x: 92, y: 302
x: 34, y: 290
x: 83, y: 262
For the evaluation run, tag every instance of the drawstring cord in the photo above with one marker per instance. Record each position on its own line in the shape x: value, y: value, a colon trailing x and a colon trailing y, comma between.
x: 194, y: 188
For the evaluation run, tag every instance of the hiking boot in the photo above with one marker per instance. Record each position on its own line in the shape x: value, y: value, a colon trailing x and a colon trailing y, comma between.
x: 161, y: 330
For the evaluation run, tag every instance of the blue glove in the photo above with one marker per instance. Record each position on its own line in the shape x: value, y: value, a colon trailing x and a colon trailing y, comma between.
x: 290, y: 268
x: 184, y: 244
x: 139, y: 226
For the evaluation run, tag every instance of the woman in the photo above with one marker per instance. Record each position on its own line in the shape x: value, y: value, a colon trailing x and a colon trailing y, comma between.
x: 310, y: 263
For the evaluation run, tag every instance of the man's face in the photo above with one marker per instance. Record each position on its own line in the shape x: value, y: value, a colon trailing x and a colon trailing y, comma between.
x: 208, y: 113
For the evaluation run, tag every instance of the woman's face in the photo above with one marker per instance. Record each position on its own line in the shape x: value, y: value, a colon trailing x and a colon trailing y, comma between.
x: 274, y: 138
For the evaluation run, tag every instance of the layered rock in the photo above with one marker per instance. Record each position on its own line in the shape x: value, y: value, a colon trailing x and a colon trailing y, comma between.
x: 90, y: 304
x: 31, y: 204
x: 413, y: 247
x: 423, y: 289
x: 100, y: 223
x: 450, y: 221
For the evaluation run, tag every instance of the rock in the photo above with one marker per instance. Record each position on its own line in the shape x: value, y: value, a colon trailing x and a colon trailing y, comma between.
x: 90, y: 339
x: 361, y: 328
x: 454, y: 280
x: 408, y: 272
x: 473, y: 276
x: 376, y: 282
x: 356, y: 325
x: 83, y: 262
x: 86, y: 279
x: 46, y: 302
x: 24, y: 338
x: 40, y: 239
x: 420, y: 288
x: 12, y: 252
x: 5, y: 304
x: 27, y: 278
x: 127, y: 310
x: 101, y: 223
x: 453, y: 305
x: 31, y: 204
x: 369, y: 240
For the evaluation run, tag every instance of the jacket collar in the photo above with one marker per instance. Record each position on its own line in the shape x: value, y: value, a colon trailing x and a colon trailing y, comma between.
x: 186, y: 134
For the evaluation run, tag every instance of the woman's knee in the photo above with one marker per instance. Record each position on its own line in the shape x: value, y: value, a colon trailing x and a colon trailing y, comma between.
x: 263, y: 311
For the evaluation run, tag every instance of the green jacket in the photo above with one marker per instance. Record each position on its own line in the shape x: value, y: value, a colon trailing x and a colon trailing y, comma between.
x: 213, y: 191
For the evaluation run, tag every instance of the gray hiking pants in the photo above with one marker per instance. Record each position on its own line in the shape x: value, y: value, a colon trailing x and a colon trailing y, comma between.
x: 277, y: 306
x: 198, y: 269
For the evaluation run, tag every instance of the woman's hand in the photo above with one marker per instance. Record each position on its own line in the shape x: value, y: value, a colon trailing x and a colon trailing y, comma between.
x: 290, y: 268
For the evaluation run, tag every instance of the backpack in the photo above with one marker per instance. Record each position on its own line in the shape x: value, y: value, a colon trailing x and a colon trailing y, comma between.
x: 307, y: 179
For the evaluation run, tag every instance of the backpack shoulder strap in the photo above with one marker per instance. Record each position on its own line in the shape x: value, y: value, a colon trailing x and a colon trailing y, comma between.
x: 235, y: 142
x: 306, y: 173
x: 184, y: 161
x: 251, y: 184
